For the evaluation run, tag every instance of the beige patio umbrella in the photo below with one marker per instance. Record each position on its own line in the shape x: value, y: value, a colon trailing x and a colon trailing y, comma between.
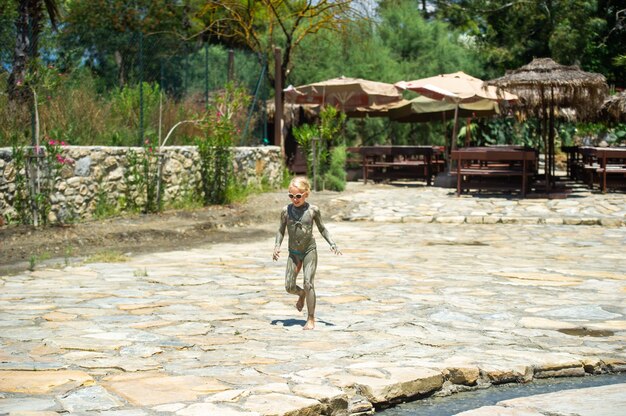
x: 466, y: 87
x: 545, y: 86
x: 457, y: 88
x: 424, y: 109
x: 345, y: 93
x: 376, y: 110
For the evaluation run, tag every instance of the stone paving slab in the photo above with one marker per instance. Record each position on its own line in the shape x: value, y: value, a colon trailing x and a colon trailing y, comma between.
x: 411, y: 308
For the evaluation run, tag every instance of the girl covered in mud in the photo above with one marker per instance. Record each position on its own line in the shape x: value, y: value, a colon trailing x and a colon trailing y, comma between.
x: 298, y: 218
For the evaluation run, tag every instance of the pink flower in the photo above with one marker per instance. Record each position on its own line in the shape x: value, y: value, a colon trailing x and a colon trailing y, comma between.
x: 62, y: 143
x: 51, y: 142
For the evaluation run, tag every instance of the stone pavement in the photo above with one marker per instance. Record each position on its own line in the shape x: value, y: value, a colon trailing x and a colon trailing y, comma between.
x: 417, y: 203
x: 433, y: 294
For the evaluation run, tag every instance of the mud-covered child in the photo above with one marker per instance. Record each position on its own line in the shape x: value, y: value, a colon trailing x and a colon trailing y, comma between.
x: 298, y: 218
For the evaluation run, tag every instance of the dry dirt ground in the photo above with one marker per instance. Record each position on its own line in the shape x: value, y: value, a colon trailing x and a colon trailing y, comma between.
x: 257, y: 217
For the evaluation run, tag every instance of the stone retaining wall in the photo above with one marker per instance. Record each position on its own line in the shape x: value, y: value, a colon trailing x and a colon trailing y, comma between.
x: 99, y: 172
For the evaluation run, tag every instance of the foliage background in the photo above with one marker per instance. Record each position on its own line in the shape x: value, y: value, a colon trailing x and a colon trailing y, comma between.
x: 100, y: 72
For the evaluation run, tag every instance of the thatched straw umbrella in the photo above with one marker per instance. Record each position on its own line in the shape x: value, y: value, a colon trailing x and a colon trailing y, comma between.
x: 614, y: 108
x: 545, y: 86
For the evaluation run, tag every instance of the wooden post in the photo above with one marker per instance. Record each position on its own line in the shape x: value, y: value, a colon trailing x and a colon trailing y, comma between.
x: 278, y: 102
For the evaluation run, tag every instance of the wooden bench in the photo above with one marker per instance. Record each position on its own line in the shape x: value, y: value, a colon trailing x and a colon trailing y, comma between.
x: 380, y: 163
x: 605, y: 166
x: 493, y: 168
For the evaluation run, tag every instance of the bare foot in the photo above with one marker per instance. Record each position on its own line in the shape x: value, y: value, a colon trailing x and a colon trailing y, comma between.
x: 300, y: 303
x: 310, y: 324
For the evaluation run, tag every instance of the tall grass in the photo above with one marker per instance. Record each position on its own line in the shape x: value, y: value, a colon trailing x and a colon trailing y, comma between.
x: 73, y: 110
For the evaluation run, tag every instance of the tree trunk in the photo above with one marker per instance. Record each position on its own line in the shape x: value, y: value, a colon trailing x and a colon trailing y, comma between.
x: 121, y: 73
x: 21, y: 53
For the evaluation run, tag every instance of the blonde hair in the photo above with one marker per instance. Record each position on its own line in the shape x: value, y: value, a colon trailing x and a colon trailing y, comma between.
x: 300, y: 182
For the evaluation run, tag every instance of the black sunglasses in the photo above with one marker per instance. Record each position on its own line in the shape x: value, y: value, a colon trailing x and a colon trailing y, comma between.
x: 292, y: 196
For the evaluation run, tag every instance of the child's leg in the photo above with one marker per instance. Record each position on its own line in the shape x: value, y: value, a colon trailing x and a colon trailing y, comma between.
x: 309, y: 268
x: 293, y: 267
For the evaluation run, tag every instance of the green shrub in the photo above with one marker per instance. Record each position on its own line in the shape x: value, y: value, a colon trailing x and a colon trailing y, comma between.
x: 335, y: 178
x: 304, y: 135
x: 141, y: 180
x: 221, y: 128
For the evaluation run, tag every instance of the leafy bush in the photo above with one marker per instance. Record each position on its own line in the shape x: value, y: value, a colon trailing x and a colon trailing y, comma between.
x: 37, y: 171
x: 619, y: 132
x: 506, y: 131
x: 329, y: 131
x: 221, y: 127
x: 304, y: 135
x: 141, y: 180
x: 126, y: 104
x: 335, y: 177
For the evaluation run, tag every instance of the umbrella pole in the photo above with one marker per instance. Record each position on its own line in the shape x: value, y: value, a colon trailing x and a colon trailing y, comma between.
x: 552, y: 140
x: 552, y: 150
x: 314, y: 161
x: 454, y: 128
x: 445, y: 137
x: 544, y: 138
x: 446, y: 147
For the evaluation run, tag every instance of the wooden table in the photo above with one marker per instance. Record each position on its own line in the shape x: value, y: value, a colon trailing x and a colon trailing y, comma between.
x: 606, y: 165
x: 398, y: 162
x: 495, y: 168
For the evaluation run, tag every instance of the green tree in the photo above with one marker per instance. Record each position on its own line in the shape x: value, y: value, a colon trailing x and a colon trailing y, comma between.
x: 607, y: 53
x: 424, y: 47
x: 8, y: 12
x: 263, y: 25
x: 356, y: 52
x: 109, y: 41
x: 510, y: 33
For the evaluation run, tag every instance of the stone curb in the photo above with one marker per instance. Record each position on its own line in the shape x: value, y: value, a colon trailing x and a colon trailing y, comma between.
x: 362, y: 390
x: 490, y: 219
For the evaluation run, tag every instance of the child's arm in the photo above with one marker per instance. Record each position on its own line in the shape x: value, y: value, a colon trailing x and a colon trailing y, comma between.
x: 280, y: 234
x: 323, y: 230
